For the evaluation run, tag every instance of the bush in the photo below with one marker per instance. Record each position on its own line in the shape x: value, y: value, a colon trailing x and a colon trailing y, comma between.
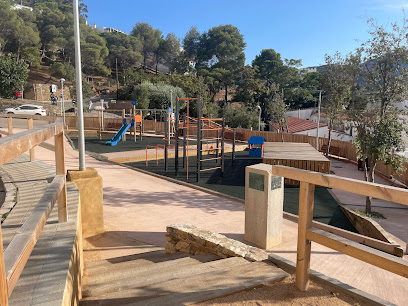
x: 158, y: 95
x: 58, y: 70
x: 13, y: 75
x: 241, y: 117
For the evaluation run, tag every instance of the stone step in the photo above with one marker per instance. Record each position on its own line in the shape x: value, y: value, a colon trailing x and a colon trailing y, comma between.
x: 159, y: 273
x: 199, y: 286
x: 141, y: 259
x: 215, y: 284
x: 133, y: 269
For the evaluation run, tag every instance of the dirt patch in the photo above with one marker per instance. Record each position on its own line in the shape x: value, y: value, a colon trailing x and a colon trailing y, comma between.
x: 285, y: 293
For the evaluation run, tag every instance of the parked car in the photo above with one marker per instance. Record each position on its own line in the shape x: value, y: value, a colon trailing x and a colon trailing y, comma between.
x: 27, y: 109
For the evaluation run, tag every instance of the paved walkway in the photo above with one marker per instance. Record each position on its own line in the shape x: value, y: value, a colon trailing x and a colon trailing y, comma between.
x: 139, y: 207
x: 396, y: 214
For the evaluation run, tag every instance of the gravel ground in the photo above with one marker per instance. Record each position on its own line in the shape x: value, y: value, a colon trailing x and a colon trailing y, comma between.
x: 285, y: 293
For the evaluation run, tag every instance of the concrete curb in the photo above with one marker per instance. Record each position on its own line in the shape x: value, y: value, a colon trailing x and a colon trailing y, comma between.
x: 290, y: 267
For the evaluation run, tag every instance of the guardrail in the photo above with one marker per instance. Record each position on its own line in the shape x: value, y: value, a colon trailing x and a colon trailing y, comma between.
x: 349, y: 245
x: 14, y: 258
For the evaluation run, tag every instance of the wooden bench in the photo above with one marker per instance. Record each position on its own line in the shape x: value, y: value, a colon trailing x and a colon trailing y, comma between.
x: 332, y: 150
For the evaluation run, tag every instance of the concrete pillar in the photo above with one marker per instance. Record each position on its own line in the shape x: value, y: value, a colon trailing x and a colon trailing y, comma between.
x: 89, y: 183
x: 263, y: 206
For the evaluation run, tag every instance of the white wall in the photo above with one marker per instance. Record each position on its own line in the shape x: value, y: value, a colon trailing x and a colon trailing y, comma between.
x: 301, y: 113
x: 325, y: 131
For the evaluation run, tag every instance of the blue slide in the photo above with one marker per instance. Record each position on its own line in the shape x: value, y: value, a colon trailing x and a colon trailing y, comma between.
x: 114, y: 141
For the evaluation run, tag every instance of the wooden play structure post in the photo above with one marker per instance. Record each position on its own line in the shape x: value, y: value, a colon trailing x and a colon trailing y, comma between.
x: 30, y: 127
x: 141, y: 125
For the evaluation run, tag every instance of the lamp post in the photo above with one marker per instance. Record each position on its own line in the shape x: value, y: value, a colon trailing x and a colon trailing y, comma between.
x: 259, y: 121
x: 81, y: 138
x: 318, y: 120
x: 62, y: 98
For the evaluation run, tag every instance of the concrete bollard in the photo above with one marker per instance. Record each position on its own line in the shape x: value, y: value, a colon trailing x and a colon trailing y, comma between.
x: 89, y: 184
x: 263, y: 206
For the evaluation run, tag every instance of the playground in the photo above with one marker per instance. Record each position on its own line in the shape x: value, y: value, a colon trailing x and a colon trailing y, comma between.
x: 232, y: 183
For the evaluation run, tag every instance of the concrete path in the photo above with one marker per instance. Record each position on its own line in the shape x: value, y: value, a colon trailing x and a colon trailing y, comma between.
x: 139, y: 207
x: 396, y: 214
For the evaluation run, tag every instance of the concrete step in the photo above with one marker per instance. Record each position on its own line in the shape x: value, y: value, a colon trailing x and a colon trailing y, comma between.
x: 161, y: 272
x: 204, y: 281
x: 141, y: 259
x: 113, y: 279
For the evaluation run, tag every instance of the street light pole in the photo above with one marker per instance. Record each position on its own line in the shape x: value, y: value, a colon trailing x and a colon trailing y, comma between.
x: 81, y: 138
x: 62, y: 97
x: 318, y: 120
x: 259, y: 121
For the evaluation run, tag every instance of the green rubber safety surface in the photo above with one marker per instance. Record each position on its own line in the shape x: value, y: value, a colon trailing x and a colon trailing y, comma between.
x: 326, y: 209
x: 98, y: 146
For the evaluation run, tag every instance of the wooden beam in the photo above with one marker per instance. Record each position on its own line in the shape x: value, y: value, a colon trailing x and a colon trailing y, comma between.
x: 14, y: 145
x: 306, y: 201
x: 3, y: 280
x: 60, y: 170
x: 377, y: 258
x: 388, y: 193
x: 30, y: 127
x: 371, y: 242
x: 20, y: 248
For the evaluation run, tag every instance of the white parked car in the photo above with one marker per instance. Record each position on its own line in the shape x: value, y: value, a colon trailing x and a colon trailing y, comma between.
x: 26, y: 109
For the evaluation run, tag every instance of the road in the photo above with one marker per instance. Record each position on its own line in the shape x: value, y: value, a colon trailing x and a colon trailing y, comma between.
x: 20, y: 123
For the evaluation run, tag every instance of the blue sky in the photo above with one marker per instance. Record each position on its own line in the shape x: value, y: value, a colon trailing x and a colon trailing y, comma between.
x: 298, y: 29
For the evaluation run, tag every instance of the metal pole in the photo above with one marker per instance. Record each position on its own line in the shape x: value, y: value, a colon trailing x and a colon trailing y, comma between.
x: 259, y: 121
x: 318, y: 120
x: 166, y: 134
x: 184, y: 142
x: 176, y: 118
x: 81, y: 138
x: 199, y: 143
x: 222, y: 146
x: 233, y: 146
x: 62, y: 97
x: 217, y: 144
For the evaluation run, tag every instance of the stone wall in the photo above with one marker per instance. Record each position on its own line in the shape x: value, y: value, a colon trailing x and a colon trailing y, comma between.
x: 193, y: 240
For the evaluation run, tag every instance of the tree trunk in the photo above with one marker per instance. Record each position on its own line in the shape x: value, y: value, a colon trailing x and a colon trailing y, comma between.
x: 226, y: 94
x: 369, y: 176
x: 282, y: 131
x: 157, y: 63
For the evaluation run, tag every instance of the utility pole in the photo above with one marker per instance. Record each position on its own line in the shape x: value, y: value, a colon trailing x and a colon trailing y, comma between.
x: 117, y: 80
x: 318, y: 120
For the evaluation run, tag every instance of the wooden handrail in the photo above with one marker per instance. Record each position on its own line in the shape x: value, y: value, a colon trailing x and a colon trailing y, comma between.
x: 388, y: 193
x: 14, y: 258
x: 20, y: 248
x: 15, y: 145
x: 307, y: 233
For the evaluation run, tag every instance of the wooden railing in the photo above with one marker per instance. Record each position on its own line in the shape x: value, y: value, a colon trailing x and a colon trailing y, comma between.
x: 307, y: 232
x: 14, y: 258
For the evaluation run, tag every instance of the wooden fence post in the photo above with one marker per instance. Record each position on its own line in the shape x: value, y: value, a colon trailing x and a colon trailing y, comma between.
x: 60, y: 170
x: 10, y: 125
x: 306, y: 200
x: 30, y: 127
x: 3, y: 281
